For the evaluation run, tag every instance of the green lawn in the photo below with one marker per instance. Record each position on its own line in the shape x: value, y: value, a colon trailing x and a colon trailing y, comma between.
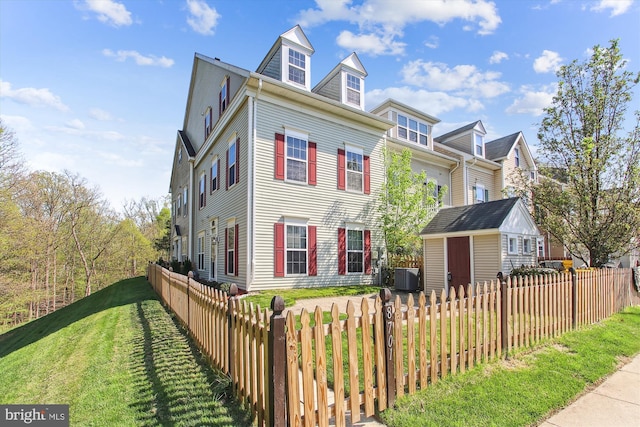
x: 290, y: 296
x: 523, y: 389
x: 117, y: 358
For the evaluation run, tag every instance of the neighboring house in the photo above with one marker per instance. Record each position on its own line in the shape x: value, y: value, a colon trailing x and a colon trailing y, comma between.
x: 413, y: 129
x: 275, y: 182
x: 470, y: 244
x: 285, y: 179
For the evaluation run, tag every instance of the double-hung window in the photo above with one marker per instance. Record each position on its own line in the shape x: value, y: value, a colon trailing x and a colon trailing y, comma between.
x: 296, y: 158
x: 185, y: 200
x: 481, y: 194
x: 355, y: 169
x: 512, y: 245
x: 526, y: 246
x: 202, y: 191
x: 353, y: 89
x: 412, y: 130
x: 516, y: 155
x: 231, y: 248
x: 296, y: 249
x: 179, y: 204
x: 233, y: 157
x: 215, y: 174
x: 201, y: 251
x: 355, y: 251
x: 208, y: 125
x: 297, y: 67
x: 479, y: 144
x: 223, y: 97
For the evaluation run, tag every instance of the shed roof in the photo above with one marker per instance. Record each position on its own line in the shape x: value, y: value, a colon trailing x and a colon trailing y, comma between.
x: 481, y: 216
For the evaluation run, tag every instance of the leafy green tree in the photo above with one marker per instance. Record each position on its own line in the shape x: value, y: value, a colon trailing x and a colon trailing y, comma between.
x: 595, y: 208
x: 407, y: 202
x: 163, y: 242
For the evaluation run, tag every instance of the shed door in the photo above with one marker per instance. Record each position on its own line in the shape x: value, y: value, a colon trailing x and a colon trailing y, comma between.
x: 459, y: 261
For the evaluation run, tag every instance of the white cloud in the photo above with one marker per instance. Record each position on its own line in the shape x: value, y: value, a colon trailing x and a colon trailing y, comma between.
x: 386, y: 19
x: 372, y: 44
x: 110, y: 12
x: 116, y: 159
x: 461, y: 79
x: 433, y: 103
x: 532, y: 101
x: 618, y: 7
x: 498, y: 57
x: 140, y: 59
x: 75, y: 124
x: 433, y: 42
x: 548, y: 62
x: 202, y: 18
x: 99, y: 114
x: 32, y: 96
x: 107, y: 135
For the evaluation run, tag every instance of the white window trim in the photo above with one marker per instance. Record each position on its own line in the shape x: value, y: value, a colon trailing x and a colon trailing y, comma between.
x: 353, y: 227
x: 479, y: 187
x: 296, y: 222
x: 302, y: 136
x: 408, y: 128
x: 232, y: 142
x: 476, y: 145
x: 201, y: 251
x: 357, y: 150
x: 345, y: 89
x: 202, y: 190
x: 185, y: 201
x: 214, y: 163
x: 223, y: 85
x: 214, y: 245
x: 516, y: 157
x: 307, y: 66
x: 515, y: 239
x: 526, y: 239
x: 231, y: 224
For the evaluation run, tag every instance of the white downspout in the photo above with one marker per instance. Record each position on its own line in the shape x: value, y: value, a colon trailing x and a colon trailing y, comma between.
x: 190, y: 207
x: 450, y: 180
x: 251, y: 200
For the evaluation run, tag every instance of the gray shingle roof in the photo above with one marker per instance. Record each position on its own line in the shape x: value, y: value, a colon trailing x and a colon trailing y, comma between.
x: 187, y: 143
x: 500, y: 147
x: 456, y: 131
x: 481, y: 216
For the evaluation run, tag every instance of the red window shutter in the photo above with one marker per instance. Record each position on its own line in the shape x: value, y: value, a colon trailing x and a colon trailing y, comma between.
x: 211, y: 181
x: 367, y: 251
x: 218, y: 181
x: 236, y: 251
x: 237, y: 160
x: 341, y: 169
x: 342, y: 251
x: 204, y: 193
x: 313, y: 252
x: 367, y: 175
x: 279, y: 166
x: 278, y: 250
x: 226, y: 249
x: 227, y: 172
x: 312, y: 163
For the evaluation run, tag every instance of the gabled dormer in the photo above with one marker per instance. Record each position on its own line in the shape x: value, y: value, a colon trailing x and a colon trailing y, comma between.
x: 469, y: 139
x: 289, y: 59
x: 345, y: 83
x: 412, y: 125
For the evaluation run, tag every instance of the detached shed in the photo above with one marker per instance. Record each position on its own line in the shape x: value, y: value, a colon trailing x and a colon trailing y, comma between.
x: 470, y: 244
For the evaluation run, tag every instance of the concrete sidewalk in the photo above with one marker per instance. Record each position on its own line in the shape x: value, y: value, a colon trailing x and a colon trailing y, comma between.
x: 614, y: 403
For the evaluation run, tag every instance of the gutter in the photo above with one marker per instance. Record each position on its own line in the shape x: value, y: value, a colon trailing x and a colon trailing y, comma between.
x: 252, y: 133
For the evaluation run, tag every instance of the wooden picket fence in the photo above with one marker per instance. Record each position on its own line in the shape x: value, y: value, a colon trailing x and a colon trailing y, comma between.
x: 307, y: 369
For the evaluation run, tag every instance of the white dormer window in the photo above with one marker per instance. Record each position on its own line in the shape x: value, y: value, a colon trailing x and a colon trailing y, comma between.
x: 413, y: 130
x: 297, y: 67
x: 353, y: 90
x: 479, y: 144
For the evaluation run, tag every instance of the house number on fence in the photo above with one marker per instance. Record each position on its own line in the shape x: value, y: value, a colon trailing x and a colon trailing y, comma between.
x: 389, y: 316
x: 389, y: 324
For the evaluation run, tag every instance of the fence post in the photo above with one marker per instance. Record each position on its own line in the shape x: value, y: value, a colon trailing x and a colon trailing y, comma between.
x: 574, y: 297
x: 504, y: 321
x: 189, y: 279
x: 388, y: 311
x: 233, y: 291
x: 277, y: 361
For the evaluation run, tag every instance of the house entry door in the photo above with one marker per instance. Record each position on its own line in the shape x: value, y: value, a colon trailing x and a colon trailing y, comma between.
x: 459, y: 261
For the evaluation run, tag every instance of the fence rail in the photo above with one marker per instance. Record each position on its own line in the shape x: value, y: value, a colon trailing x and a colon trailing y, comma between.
x: 304, y: 370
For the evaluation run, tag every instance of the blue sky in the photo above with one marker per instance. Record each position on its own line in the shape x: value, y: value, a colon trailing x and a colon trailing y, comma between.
x: 99, y: 87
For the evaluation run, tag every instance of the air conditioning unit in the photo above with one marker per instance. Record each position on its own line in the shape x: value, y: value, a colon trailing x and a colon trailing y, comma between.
x: 406, y: 279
